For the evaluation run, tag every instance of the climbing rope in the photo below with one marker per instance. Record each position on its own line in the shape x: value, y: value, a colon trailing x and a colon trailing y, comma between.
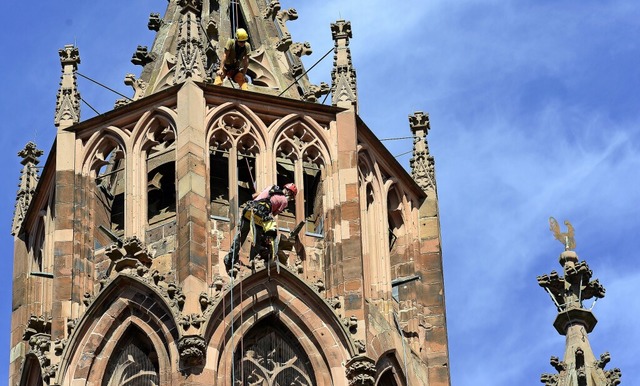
x: 305, y: 73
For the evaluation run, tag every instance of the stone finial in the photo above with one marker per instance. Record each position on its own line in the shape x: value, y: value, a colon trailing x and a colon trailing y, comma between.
x: 422, y: 162
x: 27, y: 186
x: 68, y: 99
x: 343, y: 75
x: 191, y: 56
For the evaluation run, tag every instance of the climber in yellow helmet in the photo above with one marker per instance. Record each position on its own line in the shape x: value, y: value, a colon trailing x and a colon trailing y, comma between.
x: 235, y: 60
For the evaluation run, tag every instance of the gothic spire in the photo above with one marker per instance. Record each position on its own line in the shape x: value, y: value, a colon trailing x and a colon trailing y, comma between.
x: 68, y: 101
x: 27, y: 185
x: 422, y: 163
x: 343, y: 75
x: 190, y: 40
x: 579, y: 366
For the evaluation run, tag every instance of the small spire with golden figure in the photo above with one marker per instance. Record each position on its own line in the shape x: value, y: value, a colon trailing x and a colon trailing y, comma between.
x: 579, y: 366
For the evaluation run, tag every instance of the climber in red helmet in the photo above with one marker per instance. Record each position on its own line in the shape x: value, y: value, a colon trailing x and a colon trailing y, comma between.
x: 260, y: 211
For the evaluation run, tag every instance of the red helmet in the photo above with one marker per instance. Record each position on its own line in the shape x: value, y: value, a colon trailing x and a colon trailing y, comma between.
x: 292, y: 188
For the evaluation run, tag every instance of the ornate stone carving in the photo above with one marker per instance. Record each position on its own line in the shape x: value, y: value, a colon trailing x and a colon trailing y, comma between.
x: 259, y: 65
x: 422, y: 162
x: 40, y: 345
x: 280, y: 17
x: 192, y: 349
x: 27, y: 186
x: 139, y: 86
x: 343, y: 76
x: 299, y: 49
x: 49, y: 373
x: 319, y: 286
x: 176, y: 297
x: 129, y: 255
x: 335, y: 302
x: 351, y: 324
x: 315, y: 92
x: 87, y: 299
x: 361, y: 370
x: 549, y: 379
x: 361, y: 346
x: 71, y: 324
x: 613, y: 377
x: 37, y: 325
x: 155, y: 22
x: 191, y: 56
x: 142, y: 56
x: 68, y: 99
x: 191, y: 320
x: 58, y: 346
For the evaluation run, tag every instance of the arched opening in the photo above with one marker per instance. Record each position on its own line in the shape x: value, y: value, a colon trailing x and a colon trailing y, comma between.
x: 161, y: 175
x: 387, y: 379
x: 134, y: 362
x: 31, y: 372
x: 109, y: 172
x: 270, y: 355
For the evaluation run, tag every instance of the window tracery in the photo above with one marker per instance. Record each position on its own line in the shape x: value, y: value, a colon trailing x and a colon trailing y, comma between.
x: 270, y: 357
x: 133, y: 363
x: 300, y: 160
x: 233, y: 152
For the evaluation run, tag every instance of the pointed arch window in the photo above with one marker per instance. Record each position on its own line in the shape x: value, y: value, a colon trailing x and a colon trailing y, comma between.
x: 270, y: 355
x: 161, y: 174
x: 233, y: 158
x: 109, y: 169
x: 134, y: 362
x: 300, y: 160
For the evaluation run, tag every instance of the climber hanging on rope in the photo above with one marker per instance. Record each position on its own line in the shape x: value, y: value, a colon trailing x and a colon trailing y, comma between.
x: 259, y: 214
x: 235, y: 60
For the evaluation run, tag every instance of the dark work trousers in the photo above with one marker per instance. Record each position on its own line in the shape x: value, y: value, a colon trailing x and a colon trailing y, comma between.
x: 241, y: 236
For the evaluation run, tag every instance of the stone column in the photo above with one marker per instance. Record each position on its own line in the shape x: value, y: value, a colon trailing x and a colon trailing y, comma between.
x: 67, y: 114
x: 432, y: 331
x: 192, y: 256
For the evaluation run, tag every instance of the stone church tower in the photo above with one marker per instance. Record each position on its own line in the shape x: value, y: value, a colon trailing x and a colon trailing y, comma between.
x: 119, y: 241
x: 568, y: 292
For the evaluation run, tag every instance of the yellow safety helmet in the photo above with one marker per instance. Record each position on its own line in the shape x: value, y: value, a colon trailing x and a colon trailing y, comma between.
x: 242, y: 35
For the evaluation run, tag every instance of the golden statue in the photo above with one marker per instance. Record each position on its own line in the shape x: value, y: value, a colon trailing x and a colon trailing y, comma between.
x: 567, y: 239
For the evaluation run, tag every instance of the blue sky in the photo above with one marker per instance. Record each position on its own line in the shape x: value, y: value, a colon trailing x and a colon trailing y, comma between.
x: 535, y: 112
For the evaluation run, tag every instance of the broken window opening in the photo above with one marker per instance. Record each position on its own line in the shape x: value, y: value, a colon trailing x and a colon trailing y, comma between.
x: 246, y: 167
x: 161, y: 187
x: 110, y: 181
x: 395, y: 228
x: 313, y: 209
x: 38, y: 248
x: 219, y: 183
x: 285, y: 169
